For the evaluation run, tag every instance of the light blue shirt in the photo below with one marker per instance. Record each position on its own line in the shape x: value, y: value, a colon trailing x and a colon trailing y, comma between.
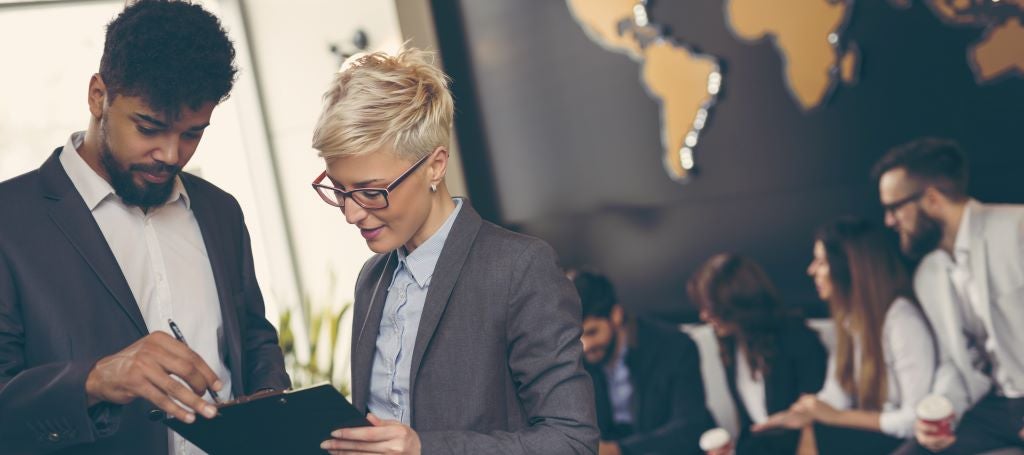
x: 620, y: 388
x: 392, y: 362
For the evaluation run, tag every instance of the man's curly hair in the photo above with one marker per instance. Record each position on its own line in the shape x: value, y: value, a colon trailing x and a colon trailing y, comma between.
x: 169, y: 53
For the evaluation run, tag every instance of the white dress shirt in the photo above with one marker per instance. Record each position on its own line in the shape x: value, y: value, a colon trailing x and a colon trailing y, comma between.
x: 162, y: 256
x: 751, y: 389
x: 985, y: 351
x: 910, y: 359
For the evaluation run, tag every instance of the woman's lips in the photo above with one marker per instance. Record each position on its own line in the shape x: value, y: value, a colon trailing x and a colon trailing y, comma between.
x: 370, y: 234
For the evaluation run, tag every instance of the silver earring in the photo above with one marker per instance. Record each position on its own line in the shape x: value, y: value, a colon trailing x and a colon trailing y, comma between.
x: 433, y: 187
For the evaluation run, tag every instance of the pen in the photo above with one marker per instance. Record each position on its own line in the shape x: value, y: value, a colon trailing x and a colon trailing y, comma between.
x: 181, y: 338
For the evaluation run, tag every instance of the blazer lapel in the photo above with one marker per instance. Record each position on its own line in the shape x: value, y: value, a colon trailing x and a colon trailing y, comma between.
x: 446, y: 274
x: 206, y: 218
x: 369, y: 309
x: 978, y: 261
x: 74, y: 219
x: 947, y: 313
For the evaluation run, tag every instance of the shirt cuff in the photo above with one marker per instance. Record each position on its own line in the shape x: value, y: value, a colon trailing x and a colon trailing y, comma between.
x: 897, y: 423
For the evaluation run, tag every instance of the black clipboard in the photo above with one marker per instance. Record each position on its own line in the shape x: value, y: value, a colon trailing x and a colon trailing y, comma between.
x: 292, y: 422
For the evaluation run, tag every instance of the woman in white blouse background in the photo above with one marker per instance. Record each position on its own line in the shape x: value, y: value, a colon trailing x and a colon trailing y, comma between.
x: 884, y: 360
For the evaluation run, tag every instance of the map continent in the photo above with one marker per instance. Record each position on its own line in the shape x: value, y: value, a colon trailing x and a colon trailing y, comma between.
x: 684, y: 83
x: 807, y: 34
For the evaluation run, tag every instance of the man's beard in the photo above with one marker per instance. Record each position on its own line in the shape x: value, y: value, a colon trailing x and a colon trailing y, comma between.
x: 610, y: 350
x: 924, y: 239
x: 147, y: 195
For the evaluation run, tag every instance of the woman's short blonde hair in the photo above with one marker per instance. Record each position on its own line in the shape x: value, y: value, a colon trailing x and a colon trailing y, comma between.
x: 377, y: 100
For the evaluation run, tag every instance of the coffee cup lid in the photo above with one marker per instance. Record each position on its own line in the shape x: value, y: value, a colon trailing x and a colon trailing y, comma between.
x: 934, y: 407
x: 714, y: 438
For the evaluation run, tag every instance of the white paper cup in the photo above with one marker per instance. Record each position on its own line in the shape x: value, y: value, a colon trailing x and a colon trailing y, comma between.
x: 716, y: 439
x: 937, y: 410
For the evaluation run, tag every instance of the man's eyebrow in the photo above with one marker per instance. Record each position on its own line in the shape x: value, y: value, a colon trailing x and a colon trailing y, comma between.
x: 148, y: 119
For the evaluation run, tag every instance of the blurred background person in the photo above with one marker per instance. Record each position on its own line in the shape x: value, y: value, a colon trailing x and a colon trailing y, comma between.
x: 647, y: 379
x: 770, y: 356
x: 971, y: 287
x: 884, y: 360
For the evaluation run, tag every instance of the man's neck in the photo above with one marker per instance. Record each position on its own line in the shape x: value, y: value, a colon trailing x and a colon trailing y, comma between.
x: 951, y: 221
x: 90, y: 150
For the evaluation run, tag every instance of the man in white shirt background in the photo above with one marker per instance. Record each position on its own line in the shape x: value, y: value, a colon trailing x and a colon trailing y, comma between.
x: 108, y: 242
x: 970, y: 283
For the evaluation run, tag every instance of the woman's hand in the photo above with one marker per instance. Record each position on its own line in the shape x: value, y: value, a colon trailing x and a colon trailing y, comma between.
x: 385, y: 436
x: 818, y: 410
x: 785, y: 420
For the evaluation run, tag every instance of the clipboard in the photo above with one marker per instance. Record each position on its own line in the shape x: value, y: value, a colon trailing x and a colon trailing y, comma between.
x: 291, y: 422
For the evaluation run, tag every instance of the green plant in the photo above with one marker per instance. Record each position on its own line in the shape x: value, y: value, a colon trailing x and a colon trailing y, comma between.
x: 317, y: 362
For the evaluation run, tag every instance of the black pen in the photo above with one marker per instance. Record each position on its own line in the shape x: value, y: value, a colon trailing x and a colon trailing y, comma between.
x: 177, y: 334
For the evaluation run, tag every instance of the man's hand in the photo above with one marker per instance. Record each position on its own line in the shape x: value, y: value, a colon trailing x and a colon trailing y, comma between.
x: 144, y: 369
x: 791, y: 420
x: 928, y: 436
x: 608, y: 448
x: 385, y: 436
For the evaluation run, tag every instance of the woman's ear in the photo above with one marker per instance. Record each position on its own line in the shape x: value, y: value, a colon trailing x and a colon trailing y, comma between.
x: 438, y: 166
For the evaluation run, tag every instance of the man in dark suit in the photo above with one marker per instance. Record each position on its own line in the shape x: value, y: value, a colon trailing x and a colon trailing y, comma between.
x: 107, y: 242
x: 647, y: 381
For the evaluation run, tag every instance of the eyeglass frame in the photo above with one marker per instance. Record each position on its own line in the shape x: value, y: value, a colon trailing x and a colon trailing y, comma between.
x: 894, y: 206
x: 386, y: 191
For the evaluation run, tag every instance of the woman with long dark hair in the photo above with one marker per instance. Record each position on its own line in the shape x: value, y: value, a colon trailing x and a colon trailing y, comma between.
x: 884, y: 359
x: 770, y: 355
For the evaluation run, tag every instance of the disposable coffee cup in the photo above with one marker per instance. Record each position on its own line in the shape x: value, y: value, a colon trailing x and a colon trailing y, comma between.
x: 717, y: 439
x: 937, y: 410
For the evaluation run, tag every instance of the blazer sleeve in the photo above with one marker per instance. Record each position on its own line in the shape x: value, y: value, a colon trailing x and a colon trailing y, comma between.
x: 545, y: 362
x: 689, y: 417
x: 264, y: 361
x: 43, y: 408
x: 811, y: 362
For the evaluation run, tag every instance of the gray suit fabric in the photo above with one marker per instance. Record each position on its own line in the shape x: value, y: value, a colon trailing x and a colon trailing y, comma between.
x: 497, y: 364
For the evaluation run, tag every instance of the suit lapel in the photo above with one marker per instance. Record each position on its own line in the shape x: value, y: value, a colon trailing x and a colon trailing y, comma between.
x: 446, y: 273
x: 946, y: 315
x: 369, y: 309
x: 73, y: 218
x: 978, y: 259
x: 217, y: 252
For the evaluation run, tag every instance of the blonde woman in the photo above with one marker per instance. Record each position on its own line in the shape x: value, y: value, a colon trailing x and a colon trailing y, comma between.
x: 466, y: 336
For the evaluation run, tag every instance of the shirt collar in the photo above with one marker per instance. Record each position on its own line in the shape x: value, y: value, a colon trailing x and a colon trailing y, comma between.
x: 95, y: 189
x: 962, y: 243
x: 422, y: 260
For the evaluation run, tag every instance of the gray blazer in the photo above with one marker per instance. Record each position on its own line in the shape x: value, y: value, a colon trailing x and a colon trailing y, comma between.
x: 996, y: 239
x: 64, y: 304
x: 497, y: 363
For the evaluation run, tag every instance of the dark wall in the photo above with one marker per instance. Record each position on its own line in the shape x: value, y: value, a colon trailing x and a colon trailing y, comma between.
x: 561, y: 141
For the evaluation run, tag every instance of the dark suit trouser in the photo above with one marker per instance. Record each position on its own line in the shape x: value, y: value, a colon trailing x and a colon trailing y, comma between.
x: 779, y: 442
x: 993, y: 423
x: 842, y: 441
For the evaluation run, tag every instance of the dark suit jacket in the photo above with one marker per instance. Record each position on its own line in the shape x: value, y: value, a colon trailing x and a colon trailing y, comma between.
x: 64, y: 304
x: 497, y: 363
x: 799, y: 368
x: 669, y: 414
